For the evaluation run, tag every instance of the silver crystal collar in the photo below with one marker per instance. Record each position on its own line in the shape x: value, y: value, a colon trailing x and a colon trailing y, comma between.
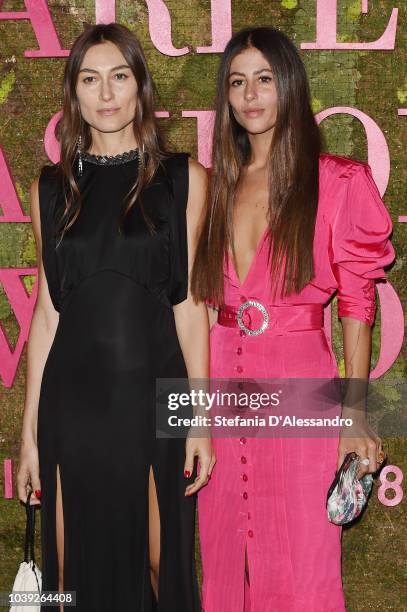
x: 111, y: 160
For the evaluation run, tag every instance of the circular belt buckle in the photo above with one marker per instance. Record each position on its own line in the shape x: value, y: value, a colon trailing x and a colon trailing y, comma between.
x: 264, y: 325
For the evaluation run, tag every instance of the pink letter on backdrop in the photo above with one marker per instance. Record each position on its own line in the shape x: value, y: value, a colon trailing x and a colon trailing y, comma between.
x: 159, y: 23
x: 392, y: 485
x: 205, y: 121
x: 51, y: 144
x: 8, y: 479
x: 9, y: 200
x: 38, y: 13
x: 22, y: 305
x: 402, y: 112
x: 377, y: 149
x: 221, y: 18
x: 326, y: 30
x: 105, y: 11
x: 391, y: 328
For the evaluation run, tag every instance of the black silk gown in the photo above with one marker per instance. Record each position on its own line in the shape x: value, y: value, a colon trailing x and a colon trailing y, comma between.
x: 116, y: 334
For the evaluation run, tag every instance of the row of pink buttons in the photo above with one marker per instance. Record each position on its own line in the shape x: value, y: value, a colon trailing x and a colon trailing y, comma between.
x: 245, y: 478
x: 243, y: 441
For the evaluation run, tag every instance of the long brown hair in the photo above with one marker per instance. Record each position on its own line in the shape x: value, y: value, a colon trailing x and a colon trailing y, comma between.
x: 71, y: 124
x: 293, y: 171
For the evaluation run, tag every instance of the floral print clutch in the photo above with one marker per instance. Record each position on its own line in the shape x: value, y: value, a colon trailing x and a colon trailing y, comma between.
x: 348, y: 495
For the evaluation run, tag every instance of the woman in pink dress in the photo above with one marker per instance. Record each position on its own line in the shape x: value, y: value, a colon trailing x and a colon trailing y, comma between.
x: 266, y: 542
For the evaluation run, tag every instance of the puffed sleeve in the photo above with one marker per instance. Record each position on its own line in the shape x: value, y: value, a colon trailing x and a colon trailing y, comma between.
x: 360, y: 245
x: 179, y: 181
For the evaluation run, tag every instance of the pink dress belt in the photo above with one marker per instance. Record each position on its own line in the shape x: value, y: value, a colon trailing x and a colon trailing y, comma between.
x: 294, y: 317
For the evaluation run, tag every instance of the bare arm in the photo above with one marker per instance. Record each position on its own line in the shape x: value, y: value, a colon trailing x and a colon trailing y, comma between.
x: 192, y: 325
x: 357, y: 346
x: 191, y: 319
x: 42, y: 332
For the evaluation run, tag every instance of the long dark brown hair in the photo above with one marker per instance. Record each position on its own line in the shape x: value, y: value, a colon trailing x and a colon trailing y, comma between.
x: 293, y: 171
x: 71, y: 124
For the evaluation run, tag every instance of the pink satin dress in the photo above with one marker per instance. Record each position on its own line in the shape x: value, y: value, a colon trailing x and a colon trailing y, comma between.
x: 267, y: 495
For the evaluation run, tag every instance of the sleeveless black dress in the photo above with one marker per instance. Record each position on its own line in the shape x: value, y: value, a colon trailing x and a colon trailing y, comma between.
x: 116, y: 333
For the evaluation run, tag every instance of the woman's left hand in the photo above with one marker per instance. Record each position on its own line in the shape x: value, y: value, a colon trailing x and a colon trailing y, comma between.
x: 367, y: 445
x: 202, y: 448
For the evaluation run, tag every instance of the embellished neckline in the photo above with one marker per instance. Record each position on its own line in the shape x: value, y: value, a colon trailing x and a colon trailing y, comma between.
x: 111, y: 160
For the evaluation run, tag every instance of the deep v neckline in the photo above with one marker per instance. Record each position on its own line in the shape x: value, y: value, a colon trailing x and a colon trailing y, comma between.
x: 252, y: 263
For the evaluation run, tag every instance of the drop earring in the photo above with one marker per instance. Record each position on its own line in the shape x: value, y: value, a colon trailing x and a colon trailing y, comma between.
x: 80, y: 155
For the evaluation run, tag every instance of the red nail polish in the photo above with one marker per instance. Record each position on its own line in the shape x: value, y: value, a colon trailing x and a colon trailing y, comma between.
x: 187, y: 474
x: 37, y: 493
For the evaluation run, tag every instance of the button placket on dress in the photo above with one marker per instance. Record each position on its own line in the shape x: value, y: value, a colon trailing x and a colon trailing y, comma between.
x: 244, y: 476
x: 243, y: 440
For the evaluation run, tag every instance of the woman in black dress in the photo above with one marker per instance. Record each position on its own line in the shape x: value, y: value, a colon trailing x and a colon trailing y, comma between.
x: 114, y: 312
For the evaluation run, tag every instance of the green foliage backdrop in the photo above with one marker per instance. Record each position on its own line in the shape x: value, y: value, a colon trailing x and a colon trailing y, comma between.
x: 375, y: 82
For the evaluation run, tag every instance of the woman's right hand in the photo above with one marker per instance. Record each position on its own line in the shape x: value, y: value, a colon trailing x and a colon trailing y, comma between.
x: 28, y: 473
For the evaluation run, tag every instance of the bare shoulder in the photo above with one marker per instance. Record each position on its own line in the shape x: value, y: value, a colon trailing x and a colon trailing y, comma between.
x: 198, y: 175
x: 35, y: 213
x: 35, y: 199
x: 198, y: 182
x: 34, y: 187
